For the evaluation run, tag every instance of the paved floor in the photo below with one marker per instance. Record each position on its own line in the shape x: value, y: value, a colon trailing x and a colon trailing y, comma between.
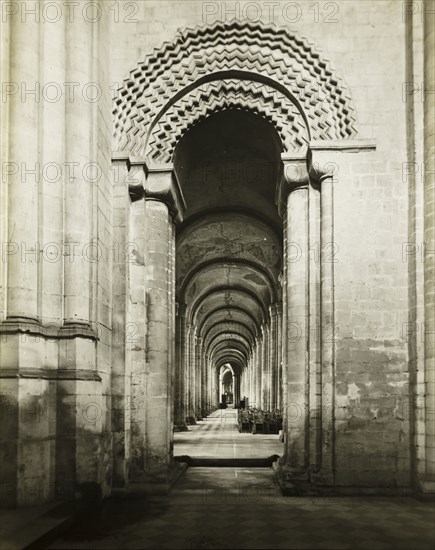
x: 218, y: 437
x: 242, y: 508
x: 20, y: 527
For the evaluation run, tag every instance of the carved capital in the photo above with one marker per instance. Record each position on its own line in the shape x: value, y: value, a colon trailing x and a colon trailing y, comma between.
x: 322, y: 164
x: 294, y: 176
x: 162, y: 184
x: 136, y: 178
x: 158, y: 182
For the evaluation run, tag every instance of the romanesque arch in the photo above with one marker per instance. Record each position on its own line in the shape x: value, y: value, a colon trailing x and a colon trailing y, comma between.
x: 239, y: 308
x: 238, y: 64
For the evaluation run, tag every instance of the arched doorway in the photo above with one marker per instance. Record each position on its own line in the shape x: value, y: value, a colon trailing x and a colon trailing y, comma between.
x: 228, y: 250
x: 229, y: 258
x: 228, y: 178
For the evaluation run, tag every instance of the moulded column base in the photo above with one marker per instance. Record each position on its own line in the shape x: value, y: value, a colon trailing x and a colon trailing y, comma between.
x: 292, y: 481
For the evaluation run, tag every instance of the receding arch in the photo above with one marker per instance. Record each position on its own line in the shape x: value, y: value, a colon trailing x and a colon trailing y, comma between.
x: 228, y: 339
x: 240, y: 326
x: 230, y: 356
x: 232, y: 309
x: 225, y: 235
x: 230, y: 336
x: 201, y: 269
x: 222, y: 289
x: 241, y: 307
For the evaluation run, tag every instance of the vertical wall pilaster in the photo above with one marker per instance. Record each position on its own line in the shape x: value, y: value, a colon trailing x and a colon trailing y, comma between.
x: 121, y: 346
x: 78, y: 192
x: 52, y: 148
x: 297, y: 331
x: 284, y: 325
x: 427, y: 486
x: 324, y: 169
x: 315, y: 336
x: 273, y: 367
x: 158, y: 431
x: 258, y: 366
x: 279, y: 380
x: 138, y: 318
x: 294, y: 202
x: 264, y: 369
x: 171, y: 330
x: 180, y: 368
x: 211, y: 384
x: 327, y: 328
x: 203, y: 373
x: 253, y: 373
x: 187, y: 373
x: 414, y: 25
x: 23, y: 183
x: 250, y: 387
x: 192, y: 374
x: 198, y: 378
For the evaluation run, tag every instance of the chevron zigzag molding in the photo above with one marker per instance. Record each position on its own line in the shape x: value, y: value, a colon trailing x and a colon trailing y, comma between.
x: 231, y: 65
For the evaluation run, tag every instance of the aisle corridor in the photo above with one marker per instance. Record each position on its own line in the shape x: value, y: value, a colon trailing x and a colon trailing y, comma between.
x: 217, y: 437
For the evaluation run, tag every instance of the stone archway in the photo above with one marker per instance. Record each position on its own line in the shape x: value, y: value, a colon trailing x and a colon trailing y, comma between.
x: 204, y: 73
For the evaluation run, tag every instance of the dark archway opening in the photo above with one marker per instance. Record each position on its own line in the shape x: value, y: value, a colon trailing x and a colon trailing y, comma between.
x: 229, y: 260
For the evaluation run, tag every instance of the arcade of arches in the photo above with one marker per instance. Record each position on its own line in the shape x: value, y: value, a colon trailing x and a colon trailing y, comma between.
x: 248, y: 247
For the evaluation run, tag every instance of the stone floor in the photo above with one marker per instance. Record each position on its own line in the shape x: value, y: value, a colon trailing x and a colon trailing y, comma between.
x: 242, y: 508
x: 22, y: 527
x: 218, y: 437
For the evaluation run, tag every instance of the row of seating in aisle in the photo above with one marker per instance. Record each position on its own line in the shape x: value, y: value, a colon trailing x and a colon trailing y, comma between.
x: 255, y: 420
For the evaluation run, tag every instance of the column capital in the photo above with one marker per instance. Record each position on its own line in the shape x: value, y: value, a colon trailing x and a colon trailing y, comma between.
x: 136, y: 178
x: 155, y: 182
x: 323, y: 164
x: 162, y: 185
x: 294, y: 176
